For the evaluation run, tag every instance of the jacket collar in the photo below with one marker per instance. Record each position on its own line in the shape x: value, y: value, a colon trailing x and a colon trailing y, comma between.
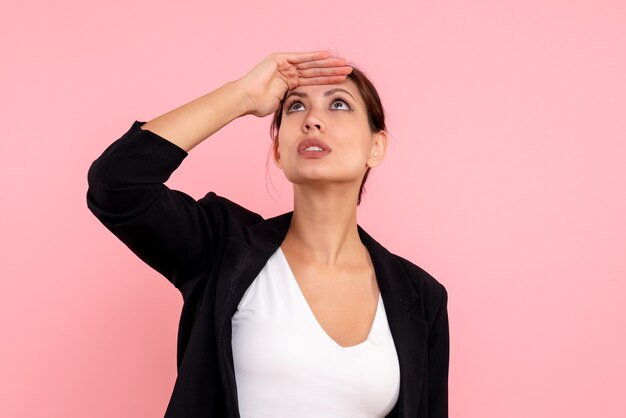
x: 245, y: 258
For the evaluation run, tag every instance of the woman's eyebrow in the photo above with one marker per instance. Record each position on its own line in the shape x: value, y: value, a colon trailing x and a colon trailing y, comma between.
x: 328, y: 93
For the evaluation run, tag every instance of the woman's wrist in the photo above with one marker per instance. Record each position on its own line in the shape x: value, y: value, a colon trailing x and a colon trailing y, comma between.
x: 245, y: 106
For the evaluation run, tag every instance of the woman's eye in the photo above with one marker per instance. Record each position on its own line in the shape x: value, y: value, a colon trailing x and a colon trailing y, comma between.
x: 292, y: 106
x: 339, y: 101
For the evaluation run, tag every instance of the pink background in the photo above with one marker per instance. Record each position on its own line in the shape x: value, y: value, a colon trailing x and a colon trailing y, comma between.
x: 505, y: 179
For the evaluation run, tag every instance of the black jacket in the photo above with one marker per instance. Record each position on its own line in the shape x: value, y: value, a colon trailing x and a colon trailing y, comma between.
x: 212, y: 249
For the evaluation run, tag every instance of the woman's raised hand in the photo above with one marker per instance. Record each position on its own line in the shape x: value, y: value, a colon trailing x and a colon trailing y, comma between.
x: 266, y: 84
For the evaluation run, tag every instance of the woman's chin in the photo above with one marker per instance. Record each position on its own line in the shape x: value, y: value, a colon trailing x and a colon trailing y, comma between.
x: 321, y: 178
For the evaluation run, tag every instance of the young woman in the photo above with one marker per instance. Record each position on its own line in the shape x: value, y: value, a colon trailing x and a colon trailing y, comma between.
x: 299, y: 315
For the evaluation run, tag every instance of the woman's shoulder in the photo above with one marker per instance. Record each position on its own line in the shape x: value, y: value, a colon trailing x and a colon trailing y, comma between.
x: 416, y: 271
x: 433, y: 294
x: 424, y: 282
x: 430, y: 290
x: 225, y: 210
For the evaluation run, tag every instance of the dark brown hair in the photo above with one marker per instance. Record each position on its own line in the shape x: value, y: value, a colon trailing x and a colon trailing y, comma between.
x: 373, y: 105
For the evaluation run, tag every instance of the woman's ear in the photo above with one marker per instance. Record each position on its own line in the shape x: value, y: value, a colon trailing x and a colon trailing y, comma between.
x: 276, y: 154
x: 379, y: 147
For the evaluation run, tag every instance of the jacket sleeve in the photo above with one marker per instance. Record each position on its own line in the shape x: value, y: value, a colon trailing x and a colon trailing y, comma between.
x: 439, y: 356
x: 166, y: 228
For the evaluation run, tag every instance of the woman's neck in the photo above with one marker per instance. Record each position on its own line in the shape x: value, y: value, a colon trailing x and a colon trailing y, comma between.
x: 324, y: 226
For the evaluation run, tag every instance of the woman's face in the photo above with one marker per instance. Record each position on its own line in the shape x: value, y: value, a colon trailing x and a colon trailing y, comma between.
x: 334, y: 114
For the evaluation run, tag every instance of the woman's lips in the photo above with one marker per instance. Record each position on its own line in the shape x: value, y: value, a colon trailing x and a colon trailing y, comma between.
x: 316, y: 148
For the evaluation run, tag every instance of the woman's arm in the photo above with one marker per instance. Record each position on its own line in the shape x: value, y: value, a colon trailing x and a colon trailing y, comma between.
x: 190, y: 124
x: 259, y: 93
x: 168, y: 229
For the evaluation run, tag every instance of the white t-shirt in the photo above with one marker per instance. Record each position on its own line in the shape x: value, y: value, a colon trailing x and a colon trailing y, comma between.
x: 286, y: 365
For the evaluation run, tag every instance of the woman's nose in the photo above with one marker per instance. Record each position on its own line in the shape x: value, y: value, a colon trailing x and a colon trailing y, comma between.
x: 313, y: 121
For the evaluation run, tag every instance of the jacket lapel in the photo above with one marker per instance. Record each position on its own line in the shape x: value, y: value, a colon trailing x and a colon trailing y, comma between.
x: 245, y: 257
x: 409, y: 332
x: 242, y: 261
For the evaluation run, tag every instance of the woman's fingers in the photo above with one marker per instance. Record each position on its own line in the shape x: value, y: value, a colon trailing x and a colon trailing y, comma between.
x: 321, y: 80
x: 307, y: 60
x: 298, y: 57
x: 327, y: 62
x: 313, y: 64
x: 319, y: 72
